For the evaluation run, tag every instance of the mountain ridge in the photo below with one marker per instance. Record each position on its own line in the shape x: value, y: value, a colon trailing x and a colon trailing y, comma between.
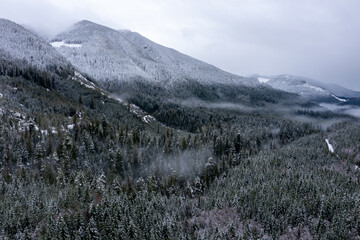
x: 309, y: 88
x: 27, y: 48
x: 130, y: 55
x: 215, y: 161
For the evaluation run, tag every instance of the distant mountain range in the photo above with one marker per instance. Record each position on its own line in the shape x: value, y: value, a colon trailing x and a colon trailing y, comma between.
x: 148, y: 74
x: 100, y: 70
x: 309, y: 88
x: 136, y: 69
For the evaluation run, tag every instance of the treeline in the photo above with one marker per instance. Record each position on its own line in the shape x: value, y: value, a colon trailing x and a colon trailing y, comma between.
x: 176, y: 105
x: 320, y: 114
x: 77, y: 164
x: 43, y: 78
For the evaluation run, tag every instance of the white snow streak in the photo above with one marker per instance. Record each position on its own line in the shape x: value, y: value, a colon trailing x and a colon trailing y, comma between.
x: 339, y: 99
x: 331, y: 149
x: 53, y: 130
x: 44, y: 132
x: 148, y: 118
x: 1, y: 96
x: 263, y: 80
x: 313, y: 87
x: 62, y: 43
x: 84, y: 81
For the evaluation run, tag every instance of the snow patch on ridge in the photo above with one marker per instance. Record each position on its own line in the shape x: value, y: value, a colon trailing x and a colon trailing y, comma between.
x: 64, y: 44
x: 263, y: 80
x: 313, y: 87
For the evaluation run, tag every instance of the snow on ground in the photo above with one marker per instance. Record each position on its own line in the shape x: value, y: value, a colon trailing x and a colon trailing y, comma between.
x: 17, y: 114
x: 64, y: 44
x: 339, y: 99
x: 84, y: 81
x: 313, y: 87
x: 70, y: 126
x: 125, y: 55
x: 331, y: 149
x: 148, y: 118
x: 117, y: 99
x: 53, y: 130
x: 263, y: 80
x: 136, y: 110
x: 1, y: 96
x: 87, y: 85
x: 22, y: 45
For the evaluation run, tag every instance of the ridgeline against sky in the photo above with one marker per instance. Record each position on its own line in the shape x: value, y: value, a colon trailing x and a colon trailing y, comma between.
x: 316, y: 39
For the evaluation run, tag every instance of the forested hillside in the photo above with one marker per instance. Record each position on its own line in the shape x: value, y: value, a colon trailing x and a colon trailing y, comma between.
x: 198, y: 161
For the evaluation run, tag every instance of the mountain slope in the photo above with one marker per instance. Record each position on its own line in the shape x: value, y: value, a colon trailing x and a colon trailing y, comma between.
x: 37, y: 79
x: 161, y: 80
x: 111, y: 56
x: 25, y: 48
x: 77, y: 163
x: 309, y: 88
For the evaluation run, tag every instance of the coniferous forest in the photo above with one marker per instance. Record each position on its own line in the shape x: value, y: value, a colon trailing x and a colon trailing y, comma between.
x: 183, y: 162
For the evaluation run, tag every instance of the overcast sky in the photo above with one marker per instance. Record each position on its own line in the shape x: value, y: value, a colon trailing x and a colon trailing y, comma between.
x: 311, y: 38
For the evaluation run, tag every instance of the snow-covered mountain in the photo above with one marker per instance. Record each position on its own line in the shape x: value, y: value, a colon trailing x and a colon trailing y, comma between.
x: 308, y: 88
x: 22, y: 47
x: 110, y: 56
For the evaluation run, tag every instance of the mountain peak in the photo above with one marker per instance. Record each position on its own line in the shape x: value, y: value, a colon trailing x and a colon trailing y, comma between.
x: 122, y: 55
x: 87, y: 23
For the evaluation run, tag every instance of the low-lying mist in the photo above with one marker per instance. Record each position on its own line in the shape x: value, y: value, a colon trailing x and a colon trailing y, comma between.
x: 186, y: 164
x: 349, y: 110
x: 194, y: 102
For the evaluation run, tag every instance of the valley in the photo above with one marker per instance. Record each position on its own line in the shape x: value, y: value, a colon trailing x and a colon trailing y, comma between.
x: 105, y: 134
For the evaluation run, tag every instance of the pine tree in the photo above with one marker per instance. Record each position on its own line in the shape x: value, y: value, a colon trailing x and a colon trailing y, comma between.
x: 119, y: 164
x: 183, y: 144
x: 92, y: 104
x: 101, y: 183
x: 92, y: 230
